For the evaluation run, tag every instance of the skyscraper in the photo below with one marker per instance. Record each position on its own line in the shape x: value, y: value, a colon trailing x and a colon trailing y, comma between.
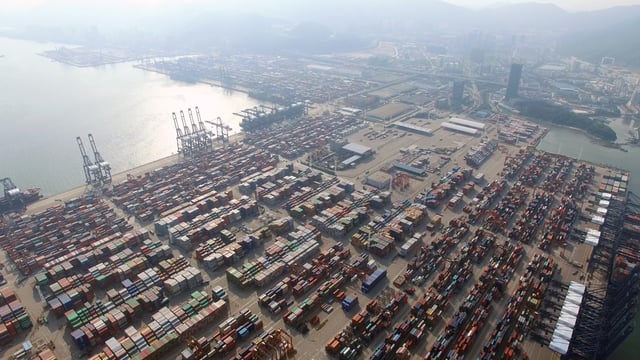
x: 514, y: 81
x: 457, y: 93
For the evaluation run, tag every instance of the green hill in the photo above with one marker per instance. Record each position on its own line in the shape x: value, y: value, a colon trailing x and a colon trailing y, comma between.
x: 620, y: 41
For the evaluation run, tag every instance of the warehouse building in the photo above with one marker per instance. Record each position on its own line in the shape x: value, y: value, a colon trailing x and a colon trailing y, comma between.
x: 357, y: 149
x: 467, y: 123
x: 459, y: 128
x: 351, y: 161
x: 379, y: 180
x: 410, y: 169
x: 413, y: 128
x: 389, y: 111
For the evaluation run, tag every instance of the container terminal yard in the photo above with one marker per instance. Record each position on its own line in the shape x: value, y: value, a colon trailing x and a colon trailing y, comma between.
x: 327, y: 236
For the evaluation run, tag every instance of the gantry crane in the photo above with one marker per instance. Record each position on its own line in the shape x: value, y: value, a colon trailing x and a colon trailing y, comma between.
x: 179, y: 134
x: 222, y: 130
x: 188, y: 139
x: 198, y: 140
x: 207, y: 135
x: 103, y: 166
x: 91, y: 171
x: 192, y: 137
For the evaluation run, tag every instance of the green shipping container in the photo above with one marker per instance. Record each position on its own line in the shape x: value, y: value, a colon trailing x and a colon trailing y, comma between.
x: 25, y: 322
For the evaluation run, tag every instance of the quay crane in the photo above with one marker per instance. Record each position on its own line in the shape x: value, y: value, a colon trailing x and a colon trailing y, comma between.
x: 188, y: 139
x: 103, y: 166
x: 203, y: 130
x: 179, y: 134
x: 199, y: 143
x: 192, y: 138
x: 222, y: 130
x: 91, y: 172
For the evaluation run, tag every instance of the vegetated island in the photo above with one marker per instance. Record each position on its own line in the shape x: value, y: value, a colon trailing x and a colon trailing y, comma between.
x: 560, y: 115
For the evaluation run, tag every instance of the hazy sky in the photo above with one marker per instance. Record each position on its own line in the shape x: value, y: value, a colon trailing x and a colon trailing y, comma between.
x: 572, y: 5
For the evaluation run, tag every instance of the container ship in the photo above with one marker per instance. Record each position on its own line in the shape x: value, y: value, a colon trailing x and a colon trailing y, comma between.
x: 256, y: 119
x: 14, y: 198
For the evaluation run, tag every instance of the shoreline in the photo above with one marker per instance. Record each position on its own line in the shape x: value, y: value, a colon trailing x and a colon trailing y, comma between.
x: 210, y: 83
x: 591, y: 137
x: 53, y: 199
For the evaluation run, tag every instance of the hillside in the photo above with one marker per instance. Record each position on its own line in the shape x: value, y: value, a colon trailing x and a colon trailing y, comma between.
x: 619, y: 41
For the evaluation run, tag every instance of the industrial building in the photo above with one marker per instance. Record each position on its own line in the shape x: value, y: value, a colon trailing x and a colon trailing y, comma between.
x: 413, y: 128
x: 459, y: 128
x: 467, y: 123
x: 514, y: 81
x: 351, y: 161
x: 389, y: 111
x: 408, y: 168
x: 357, y: 149
x: 379, y: 180
x: 350, y: 111
x: 457, y: 93
x: 394, y: 90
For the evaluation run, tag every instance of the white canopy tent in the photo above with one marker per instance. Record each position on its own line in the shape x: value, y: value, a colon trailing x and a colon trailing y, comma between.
x: 561, y: 339
x: 559, y: 345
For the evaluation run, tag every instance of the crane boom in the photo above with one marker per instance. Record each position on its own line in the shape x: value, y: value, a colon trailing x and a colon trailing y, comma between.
x: 103, y: 166
x: 87, y: 165
x: 202, y: 128
x: 184, y: 124
x: 179, y: 135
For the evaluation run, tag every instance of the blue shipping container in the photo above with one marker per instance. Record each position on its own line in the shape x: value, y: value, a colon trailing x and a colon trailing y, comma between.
x: 373, y: 280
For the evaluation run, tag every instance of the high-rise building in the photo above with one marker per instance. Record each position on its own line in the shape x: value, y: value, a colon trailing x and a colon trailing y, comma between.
x: 514, y: 81
x: 458, y: 93
x: 635, y: 99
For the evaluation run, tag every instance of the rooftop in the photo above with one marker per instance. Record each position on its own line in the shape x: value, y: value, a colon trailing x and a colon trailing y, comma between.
x: 412, y: 127
x: 467, y: 123
x: 356, y: 148
x: 460, y: 128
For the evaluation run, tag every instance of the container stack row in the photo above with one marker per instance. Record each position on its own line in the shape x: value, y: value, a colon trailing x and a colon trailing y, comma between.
x: 267, y: 182
x: 214, y: 253
x: 131, y: 304
x: 480, y: 153
x: 319, y: 202
x: 203, y: 227
x: 111, y: 248
x: 167, y: 188
x: 168, y: 327
x: 307, y: 192
x: 189, y: 212
x: 306, y: 134
x: 184, y: 280
x: 13, y: 316
x: 31, y: 241
x: 230, y: 332
x: 521, y: 309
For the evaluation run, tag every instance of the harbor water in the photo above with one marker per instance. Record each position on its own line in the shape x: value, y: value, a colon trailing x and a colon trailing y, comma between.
x: 46, y: 104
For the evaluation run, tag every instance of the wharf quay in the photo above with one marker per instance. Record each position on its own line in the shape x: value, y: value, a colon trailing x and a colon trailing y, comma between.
x: 243, y: 252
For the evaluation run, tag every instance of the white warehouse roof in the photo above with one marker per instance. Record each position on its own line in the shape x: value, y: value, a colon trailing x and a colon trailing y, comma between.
x: 460, y: 128
x: 467, y: 123
x: 412, y: 127
x: 356, y: 148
